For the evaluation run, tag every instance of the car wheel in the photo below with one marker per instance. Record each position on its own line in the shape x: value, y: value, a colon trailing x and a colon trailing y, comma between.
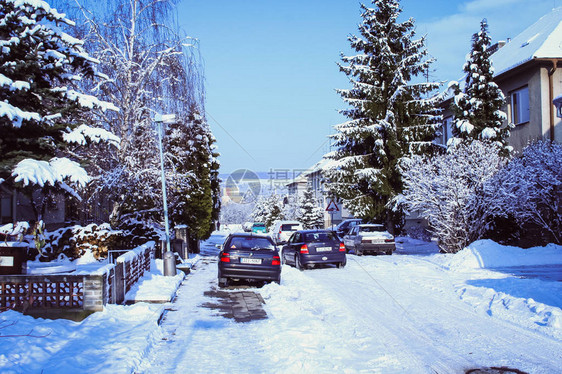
x: 278, y: 280
x: 389, y: 252
x: 358, y: 252
x: 223, y: 282
x: 342, y: 264
x: 298, y: 264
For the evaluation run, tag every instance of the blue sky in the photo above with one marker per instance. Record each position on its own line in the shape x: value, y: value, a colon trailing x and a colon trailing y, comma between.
x: 271, y: 66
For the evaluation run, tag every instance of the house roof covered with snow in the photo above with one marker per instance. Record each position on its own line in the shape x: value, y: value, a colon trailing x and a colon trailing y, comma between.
x: 541, y: 40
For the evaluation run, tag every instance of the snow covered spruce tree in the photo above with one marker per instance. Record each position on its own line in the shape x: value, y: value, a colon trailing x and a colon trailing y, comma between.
x: 390, y: 116
x: 310, y: 215
x: 42, y: 111
x: 446, y: 190
x: 193, y: 176
x: 478, y: 107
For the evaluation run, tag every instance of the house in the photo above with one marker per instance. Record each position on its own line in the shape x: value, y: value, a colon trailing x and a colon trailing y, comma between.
x: 314, y: 177
x: 528, y: 70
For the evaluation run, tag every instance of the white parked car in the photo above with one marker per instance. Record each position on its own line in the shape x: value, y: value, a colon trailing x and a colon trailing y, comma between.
x: 369, y: 238
x: 282, y: 230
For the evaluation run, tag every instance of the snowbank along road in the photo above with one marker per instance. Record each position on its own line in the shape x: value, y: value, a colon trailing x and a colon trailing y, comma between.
x: 405, y: 313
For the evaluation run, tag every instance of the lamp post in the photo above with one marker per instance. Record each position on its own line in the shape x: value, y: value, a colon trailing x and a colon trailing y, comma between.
x: 168, y: 257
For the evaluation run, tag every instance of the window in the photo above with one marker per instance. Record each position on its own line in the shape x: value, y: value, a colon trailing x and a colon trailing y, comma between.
x: 520, y: 106
x: 290, y: 227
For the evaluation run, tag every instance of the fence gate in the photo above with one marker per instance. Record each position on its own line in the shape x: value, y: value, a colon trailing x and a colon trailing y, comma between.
x: 119, y: 289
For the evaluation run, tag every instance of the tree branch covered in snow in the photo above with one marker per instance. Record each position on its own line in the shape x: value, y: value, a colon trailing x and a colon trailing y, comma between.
x: 148, y: 67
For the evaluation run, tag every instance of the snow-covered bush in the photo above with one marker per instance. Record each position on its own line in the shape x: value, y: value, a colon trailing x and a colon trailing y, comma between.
x: 444, y: 190
x: 77, y: 241
x: 529, y: 190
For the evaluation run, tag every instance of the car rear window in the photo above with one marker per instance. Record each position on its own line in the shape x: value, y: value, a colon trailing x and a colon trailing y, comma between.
x: 259, y: 224
x: 319, y: 237
x: 372, y: 229
x: 290, y: 227
x: 250, y: 243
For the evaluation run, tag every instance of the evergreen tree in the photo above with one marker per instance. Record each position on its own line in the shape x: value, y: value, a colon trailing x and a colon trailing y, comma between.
x: 478, y: 114
x: 193, y: 175
x: 310, y: 215
x: 259, y: 213
x: 268, y: 210
x: 42, y: 110
x: 390, y: 117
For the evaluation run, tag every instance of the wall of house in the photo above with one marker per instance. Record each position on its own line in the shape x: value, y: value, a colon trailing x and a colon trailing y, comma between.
x: 535, y: 76
x: 523, y: 133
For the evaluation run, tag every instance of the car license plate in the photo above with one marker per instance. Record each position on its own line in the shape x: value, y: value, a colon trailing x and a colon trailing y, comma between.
x: 323, y: 249
x: 255, y: 261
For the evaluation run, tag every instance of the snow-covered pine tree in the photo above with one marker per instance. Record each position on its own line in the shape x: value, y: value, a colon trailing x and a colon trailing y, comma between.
x: 41, y: 106
x: 390, y: 116
x: 259, y: 213
x: 310, y: 215
x: 192, y: 175
x: 268, y: 210
x: 478, y: 107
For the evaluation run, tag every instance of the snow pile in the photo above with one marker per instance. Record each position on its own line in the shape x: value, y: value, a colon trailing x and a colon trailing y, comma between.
x: 94, y: 345
x: 486, y: 254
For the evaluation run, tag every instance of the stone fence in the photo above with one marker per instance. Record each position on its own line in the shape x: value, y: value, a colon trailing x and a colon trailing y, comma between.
x: 77, y: 292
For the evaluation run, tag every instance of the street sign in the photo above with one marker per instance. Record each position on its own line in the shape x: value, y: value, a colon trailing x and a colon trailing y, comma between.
x: 332, y: 207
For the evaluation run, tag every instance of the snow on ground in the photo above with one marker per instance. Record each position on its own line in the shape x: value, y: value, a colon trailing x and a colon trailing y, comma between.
x: 416, y: 311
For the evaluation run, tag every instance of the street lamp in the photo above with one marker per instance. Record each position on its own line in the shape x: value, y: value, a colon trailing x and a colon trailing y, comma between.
x: 168, y: 257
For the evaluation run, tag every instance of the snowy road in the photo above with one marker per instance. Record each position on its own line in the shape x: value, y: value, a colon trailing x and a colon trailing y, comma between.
x: 387, y: 314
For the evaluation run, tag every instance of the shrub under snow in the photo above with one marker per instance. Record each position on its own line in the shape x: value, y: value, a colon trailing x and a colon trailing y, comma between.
x: 444, y: 190
x: 529, y: 190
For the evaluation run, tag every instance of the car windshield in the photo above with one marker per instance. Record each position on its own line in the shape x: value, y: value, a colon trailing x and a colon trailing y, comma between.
x: 259, y: 225
x: 250, y: 243
x: 372, y: 229
x: 290, y: 227
x: 319, y: 237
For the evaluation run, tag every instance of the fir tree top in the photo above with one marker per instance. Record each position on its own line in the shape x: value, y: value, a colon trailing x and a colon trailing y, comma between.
x: 478, y: 108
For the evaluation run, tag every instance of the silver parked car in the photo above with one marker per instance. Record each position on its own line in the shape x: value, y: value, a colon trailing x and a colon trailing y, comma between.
x: 369, y: 238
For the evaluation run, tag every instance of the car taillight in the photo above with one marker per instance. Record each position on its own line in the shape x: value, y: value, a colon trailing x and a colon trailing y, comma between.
x: 225, y: 257
x: 276, y: 260
x: 342, y: 247
x: 389, y: 240
x: 304, y: 248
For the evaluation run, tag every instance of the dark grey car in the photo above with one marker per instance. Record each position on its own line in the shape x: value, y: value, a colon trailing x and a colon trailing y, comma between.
x: 248, y: 256
x: 312, y: 247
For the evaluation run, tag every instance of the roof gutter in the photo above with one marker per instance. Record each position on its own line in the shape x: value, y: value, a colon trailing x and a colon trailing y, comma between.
x: 551, y: 95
